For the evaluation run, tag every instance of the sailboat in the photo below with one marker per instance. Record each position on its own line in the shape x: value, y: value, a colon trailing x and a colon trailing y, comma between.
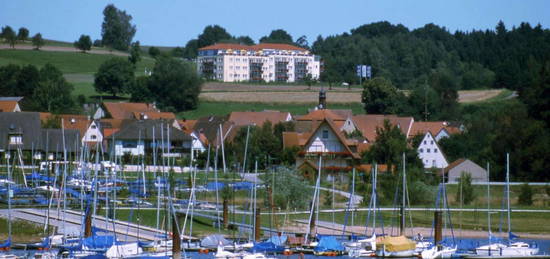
x: 6, y: 245
x: 512, y: 249
x: 366, y: 247
x: 397, y: 246
x: 439, y: 249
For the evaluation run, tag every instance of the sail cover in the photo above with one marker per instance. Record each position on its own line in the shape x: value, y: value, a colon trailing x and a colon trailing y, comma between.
x: 395, y: 244
x: 328, y: 243
x: 213, y: 241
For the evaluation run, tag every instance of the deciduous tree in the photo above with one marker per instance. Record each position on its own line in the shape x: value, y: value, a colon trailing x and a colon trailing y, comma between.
x: 53, y: 93
x: 23, y: 34
x: 135, y: 53
x: 9, y: 35
x: 117, y: 31
x: 37, y: 41
x: 381, y: 97
x: 83, y: 43
x: 116, y: 75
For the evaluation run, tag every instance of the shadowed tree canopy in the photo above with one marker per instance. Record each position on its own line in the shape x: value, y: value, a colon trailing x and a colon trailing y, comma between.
x: 53, y: 93
x: 83, y: 43
x: 117, y: 31
x: 9, y: 35
x: 115, y: 75
x: 175, y: 84
x: 23, y: 34
x: 381, y: 97
x: 277, y: 36
x: 37, y: 41
x: 212, y: 34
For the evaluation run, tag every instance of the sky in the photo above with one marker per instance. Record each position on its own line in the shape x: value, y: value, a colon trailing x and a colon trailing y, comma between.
x: 174, y: 22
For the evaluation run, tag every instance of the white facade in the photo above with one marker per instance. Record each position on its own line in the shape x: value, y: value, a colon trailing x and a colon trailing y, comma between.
x: 134, y: 148
x: 255, y: 63
x: 92, y: 134
x: 429, y: 152
x: 324, y: 140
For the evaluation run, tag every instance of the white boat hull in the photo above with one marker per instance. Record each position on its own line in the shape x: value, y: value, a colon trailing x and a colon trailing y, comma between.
x: 518, y: 249
x: 438, y: 252
x: 405, y: 253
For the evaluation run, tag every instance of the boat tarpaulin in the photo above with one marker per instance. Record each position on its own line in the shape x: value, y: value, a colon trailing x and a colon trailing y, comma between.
x: 99, y: 242
x: 213, y: 241
x: 395, y: 244
x: 328, y: 243
x: 278, y: 240
x: 267, y: 247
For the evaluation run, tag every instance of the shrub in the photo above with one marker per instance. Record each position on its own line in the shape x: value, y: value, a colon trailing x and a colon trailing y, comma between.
x: 525, y: 195
x: 468, y: 193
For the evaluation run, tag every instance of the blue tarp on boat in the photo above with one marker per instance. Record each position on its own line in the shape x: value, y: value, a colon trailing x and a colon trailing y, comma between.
x: 99, y: 242
x: 212, y: 186
x: 6, y: 243
x: 328, y: 243
x: 278, y: 240
x: 267, y: 247
x: 243, y: 186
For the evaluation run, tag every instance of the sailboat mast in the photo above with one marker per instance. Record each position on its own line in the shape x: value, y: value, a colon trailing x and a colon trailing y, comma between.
x: 402, y: 219
x: 508, y: 190
x: 488, y: 204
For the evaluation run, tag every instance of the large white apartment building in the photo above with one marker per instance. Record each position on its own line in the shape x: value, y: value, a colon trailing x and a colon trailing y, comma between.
x: 263, y: 62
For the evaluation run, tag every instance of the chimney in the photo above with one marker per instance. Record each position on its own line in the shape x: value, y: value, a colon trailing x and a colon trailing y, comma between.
x: 322, y: 99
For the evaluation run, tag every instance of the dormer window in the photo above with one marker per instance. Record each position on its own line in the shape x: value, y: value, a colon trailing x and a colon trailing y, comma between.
x: 325, y: 134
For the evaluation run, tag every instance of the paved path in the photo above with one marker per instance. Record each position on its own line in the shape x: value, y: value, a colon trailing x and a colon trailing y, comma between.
x: 65, y: 49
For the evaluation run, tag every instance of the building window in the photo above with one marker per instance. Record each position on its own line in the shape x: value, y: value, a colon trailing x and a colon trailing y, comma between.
x: 16, y: 140
x: 421, y: 150
x: 432, y: 142
x: 435, y: 150
x: 427, y: 150
x: 425, y: 142
x: 93, y: 137
x: 93, y: 127
x: 325, y: 134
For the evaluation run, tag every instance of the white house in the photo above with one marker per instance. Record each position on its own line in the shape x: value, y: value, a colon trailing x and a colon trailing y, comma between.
x: 267, y: 62
x: 93, y: 134
x: 198, y: 144
x: 430, y: 153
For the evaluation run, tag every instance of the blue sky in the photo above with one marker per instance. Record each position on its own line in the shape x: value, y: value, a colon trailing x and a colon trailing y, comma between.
x: 173, y: 23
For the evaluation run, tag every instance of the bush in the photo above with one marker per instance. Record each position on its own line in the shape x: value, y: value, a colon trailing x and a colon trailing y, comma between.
x: 525, y: 195
x: 468, y: 193
x: 421, y: 193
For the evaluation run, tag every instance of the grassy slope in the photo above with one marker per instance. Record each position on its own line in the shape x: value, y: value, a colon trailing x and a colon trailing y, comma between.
x: 77, y: 67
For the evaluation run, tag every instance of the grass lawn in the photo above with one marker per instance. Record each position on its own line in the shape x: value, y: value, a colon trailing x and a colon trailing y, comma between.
x: 207, y: 108
x: 22, y: 231
x: 67, y: 62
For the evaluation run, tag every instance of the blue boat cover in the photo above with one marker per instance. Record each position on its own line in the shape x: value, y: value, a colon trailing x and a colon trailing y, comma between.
x: 211, y: 186
x: 278, y: 240
x: 6, y: 243
x: 99, y: 242
x: 328, y: 243
x: 243, y: 186
x: 267, y: 247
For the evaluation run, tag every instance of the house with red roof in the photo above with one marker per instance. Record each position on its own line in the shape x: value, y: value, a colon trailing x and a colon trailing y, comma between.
x: 267, y: 62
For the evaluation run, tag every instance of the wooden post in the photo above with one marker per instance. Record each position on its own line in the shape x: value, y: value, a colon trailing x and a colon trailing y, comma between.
x: 438, y: 235
x: 176, y: 239
x: 257, y: 226
x: 225, y: 214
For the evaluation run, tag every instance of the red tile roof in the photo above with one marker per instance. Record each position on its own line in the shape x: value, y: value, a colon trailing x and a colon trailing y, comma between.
x: 321, y: 115
x: 261, y: 46
x: 258, y: 118
x: 368, y: 123
x: 155, y: 115
x: 434, y: 127
x: 126, y: 110
x: 7, y: 106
